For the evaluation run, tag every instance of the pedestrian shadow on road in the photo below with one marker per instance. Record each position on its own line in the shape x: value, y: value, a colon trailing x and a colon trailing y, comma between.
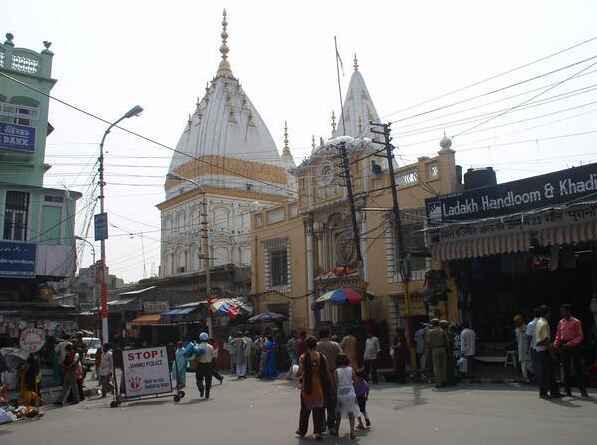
x: 417, y: 399
x: 193, y: 401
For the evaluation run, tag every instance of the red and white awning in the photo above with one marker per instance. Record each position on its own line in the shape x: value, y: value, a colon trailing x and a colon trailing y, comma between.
x: 512, y: 234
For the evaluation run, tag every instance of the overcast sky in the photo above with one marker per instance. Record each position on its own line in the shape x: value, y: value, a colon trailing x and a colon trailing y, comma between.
x: 111, y: 55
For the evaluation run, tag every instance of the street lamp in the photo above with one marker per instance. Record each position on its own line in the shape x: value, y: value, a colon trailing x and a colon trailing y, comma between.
x: 135, y: 111
x: 204, y: 238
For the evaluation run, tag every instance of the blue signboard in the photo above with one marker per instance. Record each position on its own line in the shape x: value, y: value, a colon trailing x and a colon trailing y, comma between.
x: 17, y: 138
x: 17, y: 259
x: 101, y: 226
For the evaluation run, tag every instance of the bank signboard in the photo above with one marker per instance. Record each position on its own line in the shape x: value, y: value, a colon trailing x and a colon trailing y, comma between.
x: 557, y: 188
x: 17, y: 259
x: 17, y: 138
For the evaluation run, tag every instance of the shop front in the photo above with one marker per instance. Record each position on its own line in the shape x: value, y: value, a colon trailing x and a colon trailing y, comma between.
x: 512, y: 247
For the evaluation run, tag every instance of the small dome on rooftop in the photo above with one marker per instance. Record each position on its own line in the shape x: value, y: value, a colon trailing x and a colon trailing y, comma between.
x: 445, y: 143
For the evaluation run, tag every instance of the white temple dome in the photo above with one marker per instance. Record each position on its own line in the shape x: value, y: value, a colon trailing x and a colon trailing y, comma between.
x: 225, y: 122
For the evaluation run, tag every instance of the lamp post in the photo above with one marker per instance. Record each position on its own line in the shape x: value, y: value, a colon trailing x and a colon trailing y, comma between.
x: 204, y: 239
x: 135, y: 111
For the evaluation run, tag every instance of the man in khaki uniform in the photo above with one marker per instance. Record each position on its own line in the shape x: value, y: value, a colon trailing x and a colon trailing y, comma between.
x: 437, y: 343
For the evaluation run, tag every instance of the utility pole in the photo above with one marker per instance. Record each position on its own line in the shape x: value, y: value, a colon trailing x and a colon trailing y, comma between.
x: 341, y: 147
x: 401, y: 259
x: 205, y: 256
x: 204, y: 242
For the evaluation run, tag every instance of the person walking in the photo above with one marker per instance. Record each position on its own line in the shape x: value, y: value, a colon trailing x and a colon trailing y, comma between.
x: 249, y: 351
x: 400, y: 355
x: 205, y: 355
x: 522, y: 346
x: 241, y: 357
x: 349, y: 347
x: 291, y: 349
x: 314, y: 380
x: 468, y: 340
x: 437, y: 343
x: 179, y: 371
x: 69, y: 367
x: 370, y: 356
x: 544, y: 360
x: 530, y: 332
x: 214, y: 368
x: 330, y: 349
x: 105, y: 370
x: 420, y: 346
x: 345, y: 394
x: 569, y: 337
x: 361, y: 389
x: 450, y: 358
x: 271, y: 367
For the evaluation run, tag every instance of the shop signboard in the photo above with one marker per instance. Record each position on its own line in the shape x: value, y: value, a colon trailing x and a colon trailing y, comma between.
x: 557, y: 188
x: 146, y: 371
x: 17, y: 138
x: 155, y: 307
x: 17, y: 259
x: 32, y: 340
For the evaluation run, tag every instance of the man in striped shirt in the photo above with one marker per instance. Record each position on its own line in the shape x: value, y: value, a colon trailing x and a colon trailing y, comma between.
x: 569, y: 337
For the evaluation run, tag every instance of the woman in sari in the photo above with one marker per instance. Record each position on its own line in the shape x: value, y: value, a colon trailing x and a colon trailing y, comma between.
x: 314, y: 380
x: 269, y: 348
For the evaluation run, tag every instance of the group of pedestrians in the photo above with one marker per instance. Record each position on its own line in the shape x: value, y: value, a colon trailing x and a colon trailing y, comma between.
x: 69, y: 355
x: 540, y: 352
x: 253, y: 354
x: 332, y: 385
x: 201, y: 358
x: 446, y: 350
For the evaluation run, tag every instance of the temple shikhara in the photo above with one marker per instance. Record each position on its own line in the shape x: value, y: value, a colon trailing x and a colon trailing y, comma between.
x: 227, y: 150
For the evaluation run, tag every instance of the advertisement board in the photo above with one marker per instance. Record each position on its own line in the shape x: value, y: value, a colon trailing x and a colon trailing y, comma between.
x: 557, y: 188
x: 17, y: 259
x: 146, y: 371
x: 17, y: 138
x: 32, y: 340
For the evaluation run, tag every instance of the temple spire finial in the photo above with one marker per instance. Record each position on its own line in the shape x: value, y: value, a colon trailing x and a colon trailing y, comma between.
x: 333, y: 122
x: 286, y: 148
x: 356, y: 62
x: 224, y: 68
x: 313, y: 143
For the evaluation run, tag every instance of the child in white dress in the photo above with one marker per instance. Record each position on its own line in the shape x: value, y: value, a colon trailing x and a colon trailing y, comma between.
x: 346, y: 396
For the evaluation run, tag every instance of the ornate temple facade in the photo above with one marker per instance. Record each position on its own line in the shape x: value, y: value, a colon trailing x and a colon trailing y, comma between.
x: 305, y: 248
x: 226, y: 151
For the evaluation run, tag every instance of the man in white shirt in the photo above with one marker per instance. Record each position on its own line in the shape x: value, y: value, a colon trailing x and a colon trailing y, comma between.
x: 372, y: 350
x: 205, y: 355
x: 530, y: 333
x: 542, y: 345
x: 468, y: 339
x: 106, y: 369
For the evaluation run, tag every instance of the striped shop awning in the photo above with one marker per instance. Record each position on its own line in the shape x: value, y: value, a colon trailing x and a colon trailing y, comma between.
x: 512, y: 234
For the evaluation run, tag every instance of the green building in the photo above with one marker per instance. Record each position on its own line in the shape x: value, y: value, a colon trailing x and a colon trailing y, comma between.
x: 37, y: 241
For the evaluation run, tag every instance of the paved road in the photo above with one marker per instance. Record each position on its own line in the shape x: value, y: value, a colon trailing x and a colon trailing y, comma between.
x: 252, y: 412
